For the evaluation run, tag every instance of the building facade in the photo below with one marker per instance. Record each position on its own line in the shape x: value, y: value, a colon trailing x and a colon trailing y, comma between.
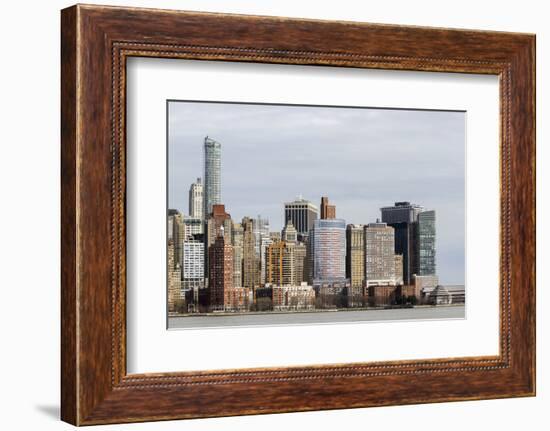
x: 196, y: 200
x: 355, y: 254
x: 176, y: 233
x: 285, y: 263
x: 302, y: 213
x: 327, y: 211
x: 237, y: 242
x: 212, y: 192
x: 192, y: 226
x: 251, y: 260
x: 220, y: 261
x: 426, y: 243
x: 193, y: 265
x: 174, y: 279
x: 327, y: 241
x: 403, y: 217
x: 379, y: 254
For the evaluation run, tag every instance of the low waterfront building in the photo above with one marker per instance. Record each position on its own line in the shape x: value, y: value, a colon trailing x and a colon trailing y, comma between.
x: 380, y: 296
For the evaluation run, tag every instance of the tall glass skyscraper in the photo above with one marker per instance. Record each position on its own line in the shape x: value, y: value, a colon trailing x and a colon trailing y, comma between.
x: 403, y: 218
x: 212, y: 174
x: 426, y: 243
x: 328, y: 246
x: 414, y: 237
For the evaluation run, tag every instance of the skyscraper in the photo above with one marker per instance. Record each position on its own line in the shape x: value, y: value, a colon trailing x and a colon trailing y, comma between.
x: 327, y: 211
x: 285, y: 259
x: 176, y: 233
x: 237, y: 242
x: 212, y: 174
x: 196, y: 201
x: 218, y: 220
x: 220, y: 261
x: 174, y: 278
x: 302, y: 213
x: 426, y: 243
x: 414, y: 238
x: 379, y: 254
x: 403, y: 217
x: 193, y: 264
x: 355, y: 254
x: 263, y: 240
x: 327, y: 241
x: 251, y: 260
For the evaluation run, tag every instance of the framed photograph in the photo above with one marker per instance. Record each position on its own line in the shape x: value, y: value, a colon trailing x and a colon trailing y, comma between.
x: 265, y: 214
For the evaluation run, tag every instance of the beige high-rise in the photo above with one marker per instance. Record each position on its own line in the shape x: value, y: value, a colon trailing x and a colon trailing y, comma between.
x: 355, y: 254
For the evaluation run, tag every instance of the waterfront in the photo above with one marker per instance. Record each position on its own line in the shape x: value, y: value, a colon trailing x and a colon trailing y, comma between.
x: 324, y: 317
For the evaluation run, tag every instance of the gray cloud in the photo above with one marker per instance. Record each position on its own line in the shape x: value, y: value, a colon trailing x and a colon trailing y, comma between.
x: 361, y: 159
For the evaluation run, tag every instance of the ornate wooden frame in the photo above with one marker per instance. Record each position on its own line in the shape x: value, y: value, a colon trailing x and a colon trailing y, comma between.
x: 95, y: 43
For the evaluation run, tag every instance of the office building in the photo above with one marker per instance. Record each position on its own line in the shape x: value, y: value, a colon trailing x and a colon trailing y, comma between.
x: 379, y: 254
x: 192, y: 227
x: 174, y: 279
x: 403, y: 217
x: 262, y: 240
x: 176, y: 232
x: 212, y: 192
x: 237, y: 242
x: 193, y: 265
x: 285, y: 263
x: 327, y: 242
x: 251, y: 260
x: 355, y: 255
x: 327, y: 211
x: 302, y: 213
x: 196, y: 200
x: 426, y: 243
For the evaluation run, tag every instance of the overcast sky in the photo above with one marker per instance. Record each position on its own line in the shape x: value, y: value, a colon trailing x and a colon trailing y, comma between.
x: 362, y: 159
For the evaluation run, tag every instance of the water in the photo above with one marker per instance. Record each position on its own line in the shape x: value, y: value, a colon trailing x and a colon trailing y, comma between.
x: 326, y: 317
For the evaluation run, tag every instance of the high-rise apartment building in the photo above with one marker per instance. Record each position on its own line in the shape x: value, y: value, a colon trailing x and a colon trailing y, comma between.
x: 212, y: 192
x: 327, y: 242
x: 192, y: 227
x: 220, y: 261
x: 174, y: 278
x: 379, y: 254
x: 355, y: 254
x: 327, y: 211
x: 218, y: 223
x: 193, y: 265
x: 285, y: 263
x: 426, y: 243
x: 217, y: 220
x: 262, y: 240
x: 176, y: 233
x: 237, y: 234
x: 196, y: 200
x: 251, y: 260
x: 302, y: 213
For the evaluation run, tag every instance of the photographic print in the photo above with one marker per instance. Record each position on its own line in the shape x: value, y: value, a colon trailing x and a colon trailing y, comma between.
x: 297, y: 214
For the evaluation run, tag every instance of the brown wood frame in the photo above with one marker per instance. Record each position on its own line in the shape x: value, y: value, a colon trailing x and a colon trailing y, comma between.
x: 95, y: 43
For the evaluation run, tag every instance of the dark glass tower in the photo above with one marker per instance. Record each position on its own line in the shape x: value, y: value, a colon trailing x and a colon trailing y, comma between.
x: 409, y: 241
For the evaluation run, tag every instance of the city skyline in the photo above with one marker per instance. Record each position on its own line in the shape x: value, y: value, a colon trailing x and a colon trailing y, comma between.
x: 301, y: 161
